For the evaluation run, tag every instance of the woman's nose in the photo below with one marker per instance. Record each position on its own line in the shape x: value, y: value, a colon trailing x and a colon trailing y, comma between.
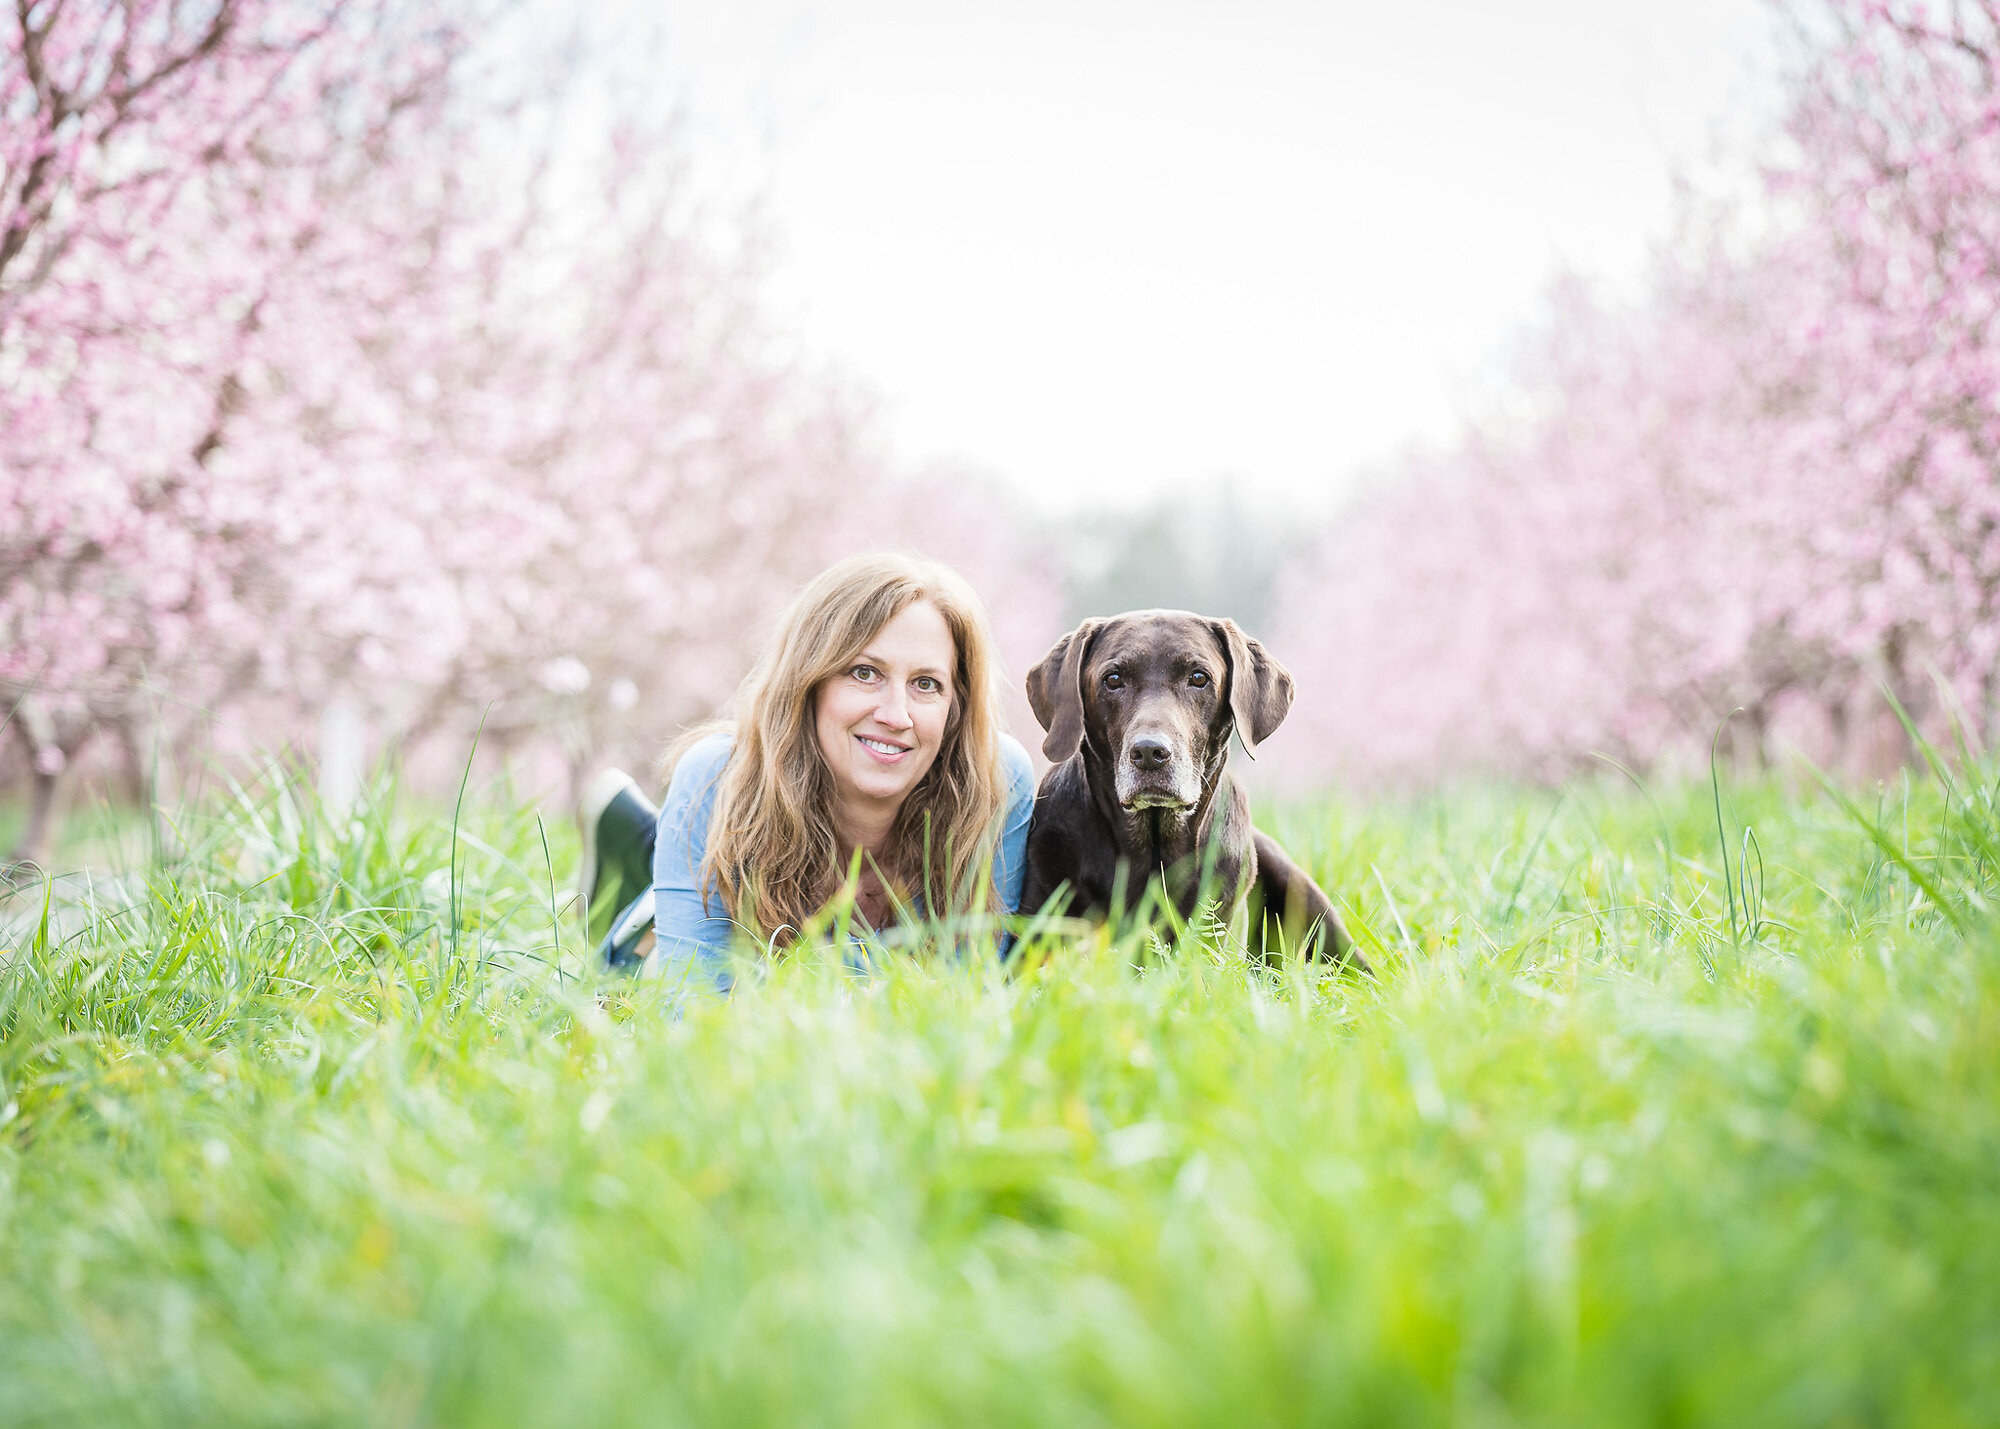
x: 894, y: 710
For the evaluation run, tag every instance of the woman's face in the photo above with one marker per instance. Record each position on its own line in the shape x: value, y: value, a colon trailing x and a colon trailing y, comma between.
x: 880, y: 721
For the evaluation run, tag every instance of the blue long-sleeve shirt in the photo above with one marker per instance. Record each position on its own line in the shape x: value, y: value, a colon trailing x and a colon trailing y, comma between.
x: 693, y: 940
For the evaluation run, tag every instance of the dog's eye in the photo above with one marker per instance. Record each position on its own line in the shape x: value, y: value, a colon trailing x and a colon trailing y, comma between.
x: 1113, y: 680
x: 1199, y: 679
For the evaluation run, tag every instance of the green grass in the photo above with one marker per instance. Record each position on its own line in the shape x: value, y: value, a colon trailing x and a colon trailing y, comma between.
x: 321, y: 1123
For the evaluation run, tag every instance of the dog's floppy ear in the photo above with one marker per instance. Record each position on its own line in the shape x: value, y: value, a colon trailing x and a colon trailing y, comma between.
x: 1055, y: 691
x: 1260, y: 689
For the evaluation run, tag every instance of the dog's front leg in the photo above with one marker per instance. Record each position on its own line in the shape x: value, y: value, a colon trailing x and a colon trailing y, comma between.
x: 1297, y: 904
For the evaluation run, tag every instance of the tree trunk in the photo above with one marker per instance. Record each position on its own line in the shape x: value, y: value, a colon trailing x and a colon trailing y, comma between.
x: 343, y: 750
x: 37, y: 837
x: 142, y: 740
x: 48, y: 763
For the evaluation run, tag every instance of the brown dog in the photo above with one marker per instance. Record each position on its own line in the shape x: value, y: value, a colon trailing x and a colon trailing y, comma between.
x: 1139, y: 710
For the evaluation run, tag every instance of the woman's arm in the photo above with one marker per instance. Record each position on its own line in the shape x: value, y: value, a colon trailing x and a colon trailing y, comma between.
x: 692, y: 948
x: 1010, y: 859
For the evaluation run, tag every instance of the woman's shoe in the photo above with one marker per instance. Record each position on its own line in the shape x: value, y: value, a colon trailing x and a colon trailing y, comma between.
x: 619, y: 828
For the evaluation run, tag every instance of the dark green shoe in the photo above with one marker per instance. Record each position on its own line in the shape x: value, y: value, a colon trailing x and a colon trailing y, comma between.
x: 619, y: 827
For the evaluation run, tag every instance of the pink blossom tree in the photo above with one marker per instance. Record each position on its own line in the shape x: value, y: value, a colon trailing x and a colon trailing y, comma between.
x: 323, y: 378
x: 1769, y: 487
x: 165, y: 171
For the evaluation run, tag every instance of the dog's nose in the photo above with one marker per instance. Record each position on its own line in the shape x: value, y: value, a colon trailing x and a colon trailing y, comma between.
x: 1149, y: 752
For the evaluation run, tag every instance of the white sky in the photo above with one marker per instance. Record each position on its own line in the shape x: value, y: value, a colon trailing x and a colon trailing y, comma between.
x: 1102, y: 249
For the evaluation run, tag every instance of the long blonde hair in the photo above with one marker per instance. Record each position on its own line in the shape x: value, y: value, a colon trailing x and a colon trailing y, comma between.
x: 773, y: 854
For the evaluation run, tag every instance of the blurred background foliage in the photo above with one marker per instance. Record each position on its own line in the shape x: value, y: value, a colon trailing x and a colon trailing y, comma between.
x: 1206, y: 553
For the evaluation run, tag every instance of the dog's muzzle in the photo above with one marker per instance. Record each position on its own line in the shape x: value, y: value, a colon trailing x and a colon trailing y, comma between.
x: 1155, y: 775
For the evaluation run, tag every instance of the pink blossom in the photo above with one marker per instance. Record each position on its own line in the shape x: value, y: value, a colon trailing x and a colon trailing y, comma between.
x: 315, y: 382
x: 1768, y: 488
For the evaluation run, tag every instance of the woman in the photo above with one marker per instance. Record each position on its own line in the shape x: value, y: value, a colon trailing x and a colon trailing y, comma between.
x: 867, y: 758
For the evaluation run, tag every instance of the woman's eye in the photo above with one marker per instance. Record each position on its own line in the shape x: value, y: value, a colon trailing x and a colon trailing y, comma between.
x: 928, y: 684
x: 864, y: 673
x: 1199, y: 679
x: 1113, y: 680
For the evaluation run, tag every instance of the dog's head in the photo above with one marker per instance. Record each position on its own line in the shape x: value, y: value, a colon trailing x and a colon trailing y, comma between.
x: 1155, y: 694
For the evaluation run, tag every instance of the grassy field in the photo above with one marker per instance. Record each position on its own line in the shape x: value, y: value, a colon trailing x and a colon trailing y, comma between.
x: 1666, y: 1109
